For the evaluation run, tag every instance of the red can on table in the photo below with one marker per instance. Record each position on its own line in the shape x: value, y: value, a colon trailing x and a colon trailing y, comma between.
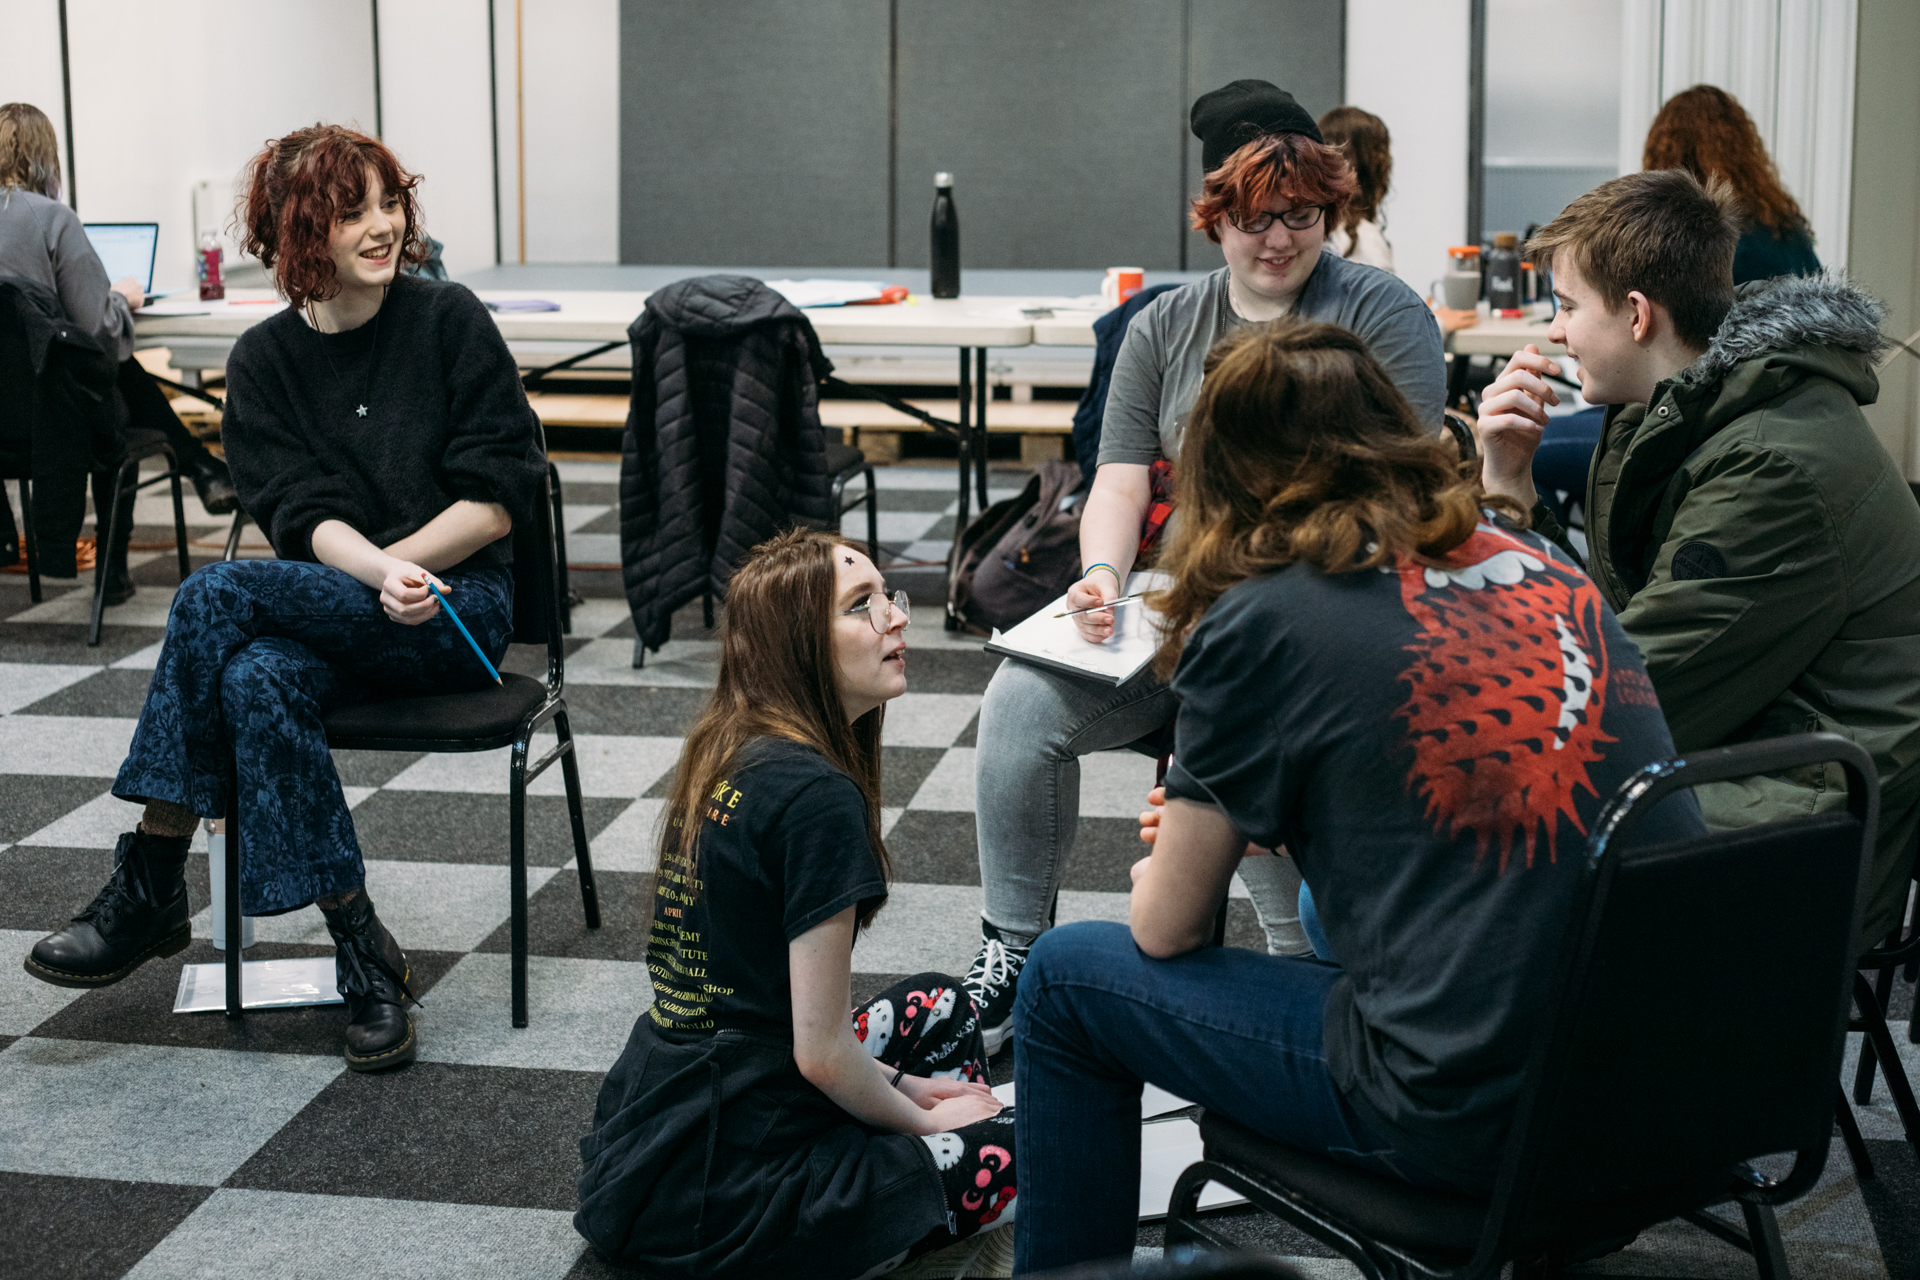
x: 212, y: 287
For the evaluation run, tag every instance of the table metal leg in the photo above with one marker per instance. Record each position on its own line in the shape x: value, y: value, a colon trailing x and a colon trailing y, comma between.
x: 982, y: 392
x: 966, y: 436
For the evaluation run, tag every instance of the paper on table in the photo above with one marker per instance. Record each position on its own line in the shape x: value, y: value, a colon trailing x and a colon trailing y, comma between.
x: 264, y: 984
x: 1056, y: 643
x: 826, y: 293
x: 1169, y: 1142
x: 194, y: 307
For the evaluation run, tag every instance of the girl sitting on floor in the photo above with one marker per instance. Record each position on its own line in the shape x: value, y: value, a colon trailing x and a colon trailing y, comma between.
x: 379, y: 436
x: 751, y: 1127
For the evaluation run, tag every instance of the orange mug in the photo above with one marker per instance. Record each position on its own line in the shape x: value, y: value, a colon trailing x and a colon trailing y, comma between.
x: 1122, y: 283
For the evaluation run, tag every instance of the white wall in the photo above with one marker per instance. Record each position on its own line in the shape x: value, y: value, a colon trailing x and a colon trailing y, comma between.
x: 569, y: 64
x: 1407, y: 63
x: 434, y: 109
x: 30, y: 69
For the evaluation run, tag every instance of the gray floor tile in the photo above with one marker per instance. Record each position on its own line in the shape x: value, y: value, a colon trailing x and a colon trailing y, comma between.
x: 246, y: 1235
x: 451, y: 827
x: 517, y: 1131
x: 372, y: 768
x: 556, y: 923
x: 25, y: 1001
x: 54, y: 1228
x: 29, y: 803
x: 22, y: 684
x: 903, y: 769
x: 108, y: 693
x: 69, y: 746
x: 934, y: 848
x: 45, y: 887
x: 580, y: 1013
x: 655, y: 711
x: 85, y: 1108
x: 66, y: 642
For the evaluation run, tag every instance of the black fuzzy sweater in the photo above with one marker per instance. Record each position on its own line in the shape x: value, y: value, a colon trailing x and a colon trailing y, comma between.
x: 446, y: 420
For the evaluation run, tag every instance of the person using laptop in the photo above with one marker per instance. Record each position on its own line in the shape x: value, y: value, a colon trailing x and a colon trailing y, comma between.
x: 43, y: 244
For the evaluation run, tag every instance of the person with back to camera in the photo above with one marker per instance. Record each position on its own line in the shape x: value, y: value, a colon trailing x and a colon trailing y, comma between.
x: 378, y: 434
x: 751, y: 1127
x: 1759, y: 545
x: 1272, y: 190
x: 1363, y: 137
x: 44, y: 244
x: 1334, y: 577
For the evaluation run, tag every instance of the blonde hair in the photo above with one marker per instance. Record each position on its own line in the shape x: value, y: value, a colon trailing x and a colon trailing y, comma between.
x: 29, y: 152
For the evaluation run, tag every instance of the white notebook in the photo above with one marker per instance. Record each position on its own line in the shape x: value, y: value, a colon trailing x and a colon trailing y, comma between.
x: 1055, y: 642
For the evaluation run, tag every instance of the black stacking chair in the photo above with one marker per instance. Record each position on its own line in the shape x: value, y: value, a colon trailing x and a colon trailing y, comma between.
x: 1902, y: 947
x: 844, y: 462
x: 507, y: 715
x: 1697, y: 1021
x: 141, y: 445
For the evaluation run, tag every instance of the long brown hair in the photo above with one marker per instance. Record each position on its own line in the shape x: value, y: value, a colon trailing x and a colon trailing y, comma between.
x: 1368, y: 146
x: 1300, y: 448
x: 1708, y: 133
x: 29, y: 152
x: 777, y: 680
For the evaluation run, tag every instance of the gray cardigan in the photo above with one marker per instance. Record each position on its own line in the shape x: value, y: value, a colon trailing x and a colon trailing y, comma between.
x: 42, y: 240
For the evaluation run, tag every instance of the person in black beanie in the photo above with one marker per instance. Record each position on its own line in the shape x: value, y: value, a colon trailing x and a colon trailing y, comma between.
x: 1273, y: 191
x: 379, y: 435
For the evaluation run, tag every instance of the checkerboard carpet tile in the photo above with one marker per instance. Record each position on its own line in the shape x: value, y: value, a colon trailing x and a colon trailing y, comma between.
x: 134, y: 1141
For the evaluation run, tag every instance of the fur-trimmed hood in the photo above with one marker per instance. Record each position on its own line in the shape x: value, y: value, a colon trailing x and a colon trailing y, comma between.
x: 1774, y: 316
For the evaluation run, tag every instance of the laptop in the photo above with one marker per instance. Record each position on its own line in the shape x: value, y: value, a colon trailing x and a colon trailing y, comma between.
x: 127, y: 249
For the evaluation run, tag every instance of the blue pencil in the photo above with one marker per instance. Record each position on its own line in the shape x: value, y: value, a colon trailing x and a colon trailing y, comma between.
x: 463, y: 631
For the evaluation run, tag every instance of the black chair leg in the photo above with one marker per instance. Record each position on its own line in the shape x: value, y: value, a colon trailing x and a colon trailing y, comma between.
x: 232, y: 904
x: 873, y: 518
x: 1873, y: 1014
x: 706, y: 607
x: 1769, y: 1255
x: 29, y: 543
x: 570, y: 772
x: 1863, y: 1071
x: 1850, y: 1136
x: 179, y: 518
x: 560, y: 551
x: 101, y: 552
x: 233, y: 536
x: 517, y: 874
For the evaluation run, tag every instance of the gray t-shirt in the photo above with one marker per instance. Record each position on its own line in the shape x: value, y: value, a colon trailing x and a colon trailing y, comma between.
x: 42, y: 240
x: 1157, y: 375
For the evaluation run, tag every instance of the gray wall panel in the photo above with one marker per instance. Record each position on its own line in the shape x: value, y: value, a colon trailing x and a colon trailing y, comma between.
x: 1299, y: 45
x: 754, y: 131
x: 1059, y: 120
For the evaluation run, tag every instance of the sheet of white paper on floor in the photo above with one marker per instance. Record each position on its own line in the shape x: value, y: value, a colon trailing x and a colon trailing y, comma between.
x: 1169, y: 1142
x: 264, y: 984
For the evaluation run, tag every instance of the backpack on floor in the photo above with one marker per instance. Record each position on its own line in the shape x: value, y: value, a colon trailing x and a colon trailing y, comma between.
x: 1019, y: 554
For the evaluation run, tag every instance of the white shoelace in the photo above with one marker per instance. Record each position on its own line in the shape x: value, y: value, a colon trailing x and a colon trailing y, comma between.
x: 993, y: 967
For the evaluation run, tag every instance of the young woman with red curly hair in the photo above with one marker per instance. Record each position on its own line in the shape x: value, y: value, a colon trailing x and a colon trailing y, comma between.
x: 378, y: 434
x: 1273, y: 191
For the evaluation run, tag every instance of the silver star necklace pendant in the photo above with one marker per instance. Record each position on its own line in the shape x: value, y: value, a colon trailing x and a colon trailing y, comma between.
x: 362, y: 411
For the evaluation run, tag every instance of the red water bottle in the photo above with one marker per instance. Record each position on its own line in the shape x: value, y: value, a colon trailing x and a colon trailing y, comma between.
x: 212, y: 287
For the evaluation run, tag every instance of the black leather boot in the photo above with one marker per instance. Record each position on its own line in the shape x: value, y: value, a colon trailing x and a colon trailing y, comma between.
x: 371, y: 972
x: 214, y: 484
x: 142, y: 913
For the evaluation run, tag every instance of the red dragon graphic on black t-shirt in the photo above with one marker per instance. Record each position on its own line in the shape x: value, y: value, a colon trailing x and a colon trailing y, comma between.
x: 1509, y: 680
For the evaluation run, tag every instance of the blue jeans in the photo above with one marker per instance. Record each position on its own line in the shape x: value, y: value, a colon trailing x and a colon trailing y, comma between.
x: 1565, y: 454
x: 1233, y: 1030
x: 1310, y: 924
x: 257, y: 653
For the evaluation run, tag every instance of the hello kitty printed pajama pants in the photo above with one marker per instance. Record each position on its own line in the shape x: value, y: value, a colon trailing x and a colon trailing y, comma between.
x: 926, y: 1026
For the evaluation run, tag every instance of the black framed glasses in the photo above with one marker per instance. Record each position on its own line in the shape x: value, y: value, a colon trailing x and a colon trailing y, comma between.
x: 879, y: 609
x: 1300, y: 219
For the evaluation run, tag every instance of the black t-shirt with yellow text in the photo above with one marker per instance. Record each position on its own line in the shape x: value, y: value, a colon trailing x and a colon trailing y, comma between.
x: 783, y: 846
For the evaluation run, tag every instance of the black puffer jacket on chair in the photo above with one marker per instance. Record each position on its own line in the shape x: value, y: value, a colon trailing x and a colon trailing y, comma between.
x: 723, y: 447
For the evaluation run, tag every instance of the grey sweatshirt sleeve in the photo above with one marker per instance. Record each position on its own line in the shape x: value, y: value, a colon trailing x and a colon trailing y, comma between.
x: 86, y: 294
x: 1130, y: 429
x: 1407, y: 343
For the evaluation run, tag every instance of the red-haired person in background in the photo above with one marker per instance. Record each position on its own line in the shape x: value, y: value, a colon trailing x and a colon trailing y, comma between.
x: 1708, y: 133
x: 379, y: 435
x: 1272, y: 193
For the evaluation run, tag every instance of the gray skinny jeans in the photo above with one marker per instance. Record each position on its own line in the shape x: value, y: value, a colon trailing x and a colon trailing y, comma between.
x: 1035, y: 724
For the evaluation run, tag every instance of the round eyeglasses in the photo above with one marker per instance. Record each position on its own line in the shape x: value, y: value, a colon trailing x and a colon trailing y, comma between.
x: 1300, y: 219
x: 879, y: 609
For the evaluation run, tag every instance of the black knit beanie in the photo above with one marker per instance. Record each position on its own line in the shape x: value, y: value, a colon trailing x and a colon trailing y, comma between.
x: 1231, y: 117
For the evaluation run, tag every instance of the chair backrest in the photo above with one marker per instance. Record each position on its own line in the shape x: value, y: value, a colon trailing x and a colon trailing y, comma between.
x: 1702, y: 1007
x: 536, y: 592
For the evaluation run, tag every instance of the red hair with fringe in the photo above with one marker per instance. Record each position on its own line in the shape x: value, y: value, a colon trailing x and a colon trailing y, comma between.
x: 297, y: 188
x: 1290, y: 165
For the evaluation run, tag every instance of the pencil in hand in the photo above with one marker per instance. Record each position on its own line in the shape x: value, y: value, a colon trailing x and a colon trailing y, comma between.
x: 1095, y: 608
x: 463, y: 631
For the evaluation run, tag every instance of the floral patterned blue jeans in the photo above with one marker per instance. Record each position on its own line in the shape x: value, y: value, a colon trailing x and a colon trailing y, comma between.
x: 257, y: 653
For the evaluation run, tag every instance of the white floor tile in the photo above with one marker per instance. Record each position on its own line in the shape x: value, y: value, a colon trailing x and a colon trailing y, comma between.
x: 927, y: 719
x: 24, y: 683
x: 26, y: 1002
x: 142, y: 659
x: 580, y: 1013
x: 887, y: 818
x: 64, y: 746
x: 611, y: 765
x: 923, y: 927
x: 589, y: 472
x: 434, y: 906
x: 596, y: 617
x: 1114, y: 784
x: 682, y: 664
x: 949, y: 788
x: 593, y: 549
x: 250, y: 1235
x: 629, y: 841
x: 148, y: 608
x: 574, y: 515
x: 98, y: 824
x: 147, y: 1113
x: 895, y: 526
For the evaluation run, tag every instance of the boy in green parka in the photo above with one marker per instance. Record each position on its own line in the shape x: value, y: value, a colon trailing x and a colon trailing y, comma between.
x: 1742, y: 519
